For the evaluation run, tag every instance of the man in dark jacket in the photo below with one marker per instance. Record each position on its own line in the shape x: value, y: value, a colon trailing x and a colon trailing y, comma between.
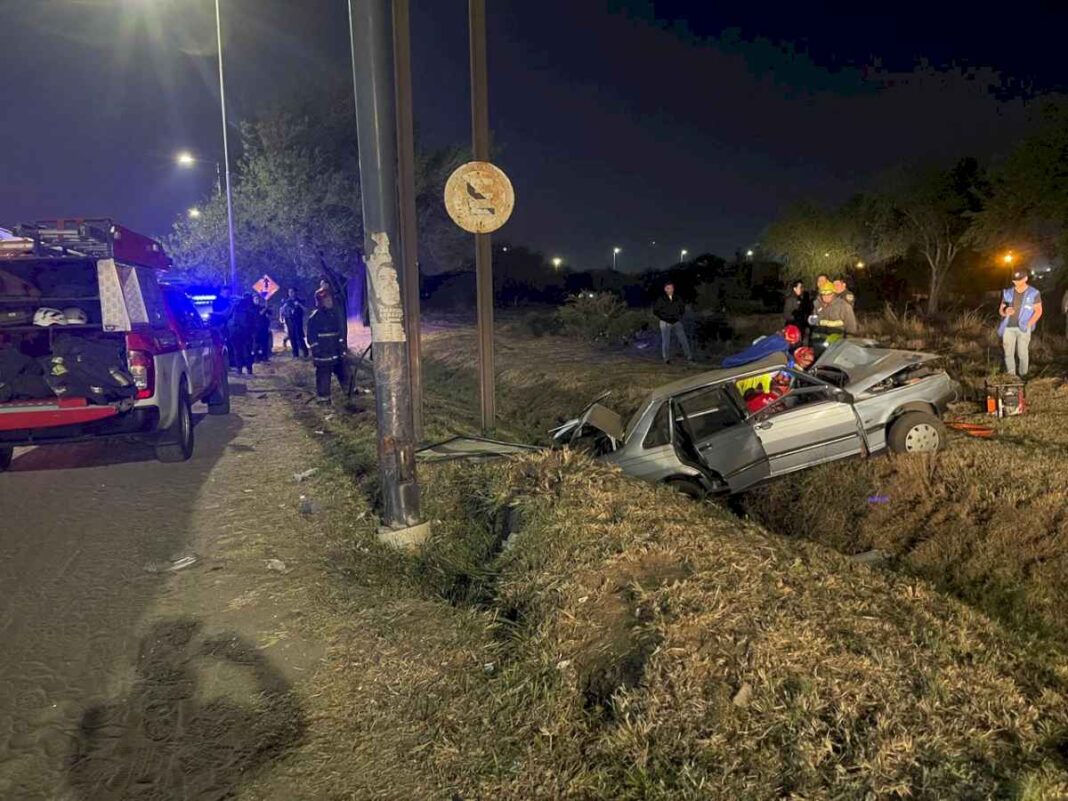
x: 242, y: 325
x: 292, y: 317
x: 669, y: 310
x: 326, y: 339
x: 796, y: 308
x: 264, y: 340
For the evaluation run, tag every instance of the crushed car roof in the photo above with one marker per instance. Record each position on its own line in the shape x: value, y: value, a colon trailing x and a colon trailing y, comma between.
x: 716, y: 376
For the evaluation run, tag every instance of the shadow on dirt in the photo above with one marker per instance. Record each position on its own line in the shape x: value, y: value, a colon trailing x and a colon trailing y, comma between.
x: 167, y: 741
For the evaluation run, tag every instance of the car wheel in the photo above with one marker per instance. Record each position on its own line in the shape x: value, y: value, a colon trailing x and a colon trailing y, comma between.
x: 917, y: 432
x: 219, y: 400
x: 689, y: 487
x: 176, y: 443
x: 6, y: 455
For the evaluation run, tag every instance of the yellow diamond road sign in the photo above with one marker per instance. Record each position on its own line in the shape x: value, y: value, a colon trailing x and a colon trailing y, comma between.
x: 479, y: 197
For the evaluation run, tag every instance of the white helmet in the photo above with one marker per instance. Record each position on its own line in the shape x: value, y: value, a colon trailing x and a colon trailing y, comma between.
x: 75, y: 316
x: 46, y: 316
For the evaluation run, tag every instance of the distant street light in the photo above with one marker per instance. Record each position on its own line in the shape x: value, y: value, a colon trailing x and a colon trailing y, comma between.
x: 682, y: 254
x: 860, y: 265
x: 615, y: 253
x: 557, y: 261
x: 1008, y: 258
x: 826, y: 255
x: 749, y: 253
x: 185, y: 159
x: 194, y: 213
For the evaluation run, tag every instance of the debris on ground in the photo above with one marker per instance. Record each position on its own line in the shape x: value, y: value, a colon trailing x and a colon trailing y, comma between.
x: 872, y: 557
x: 172, y: 565
x: 304, y: 475
x: 744, y: 694
x: 308, y: 506
x: 277, y: 565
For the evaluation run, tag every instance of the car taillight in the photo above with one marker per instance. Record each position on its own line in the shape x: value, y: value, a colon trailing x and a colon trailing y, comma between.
x: 142, y: 368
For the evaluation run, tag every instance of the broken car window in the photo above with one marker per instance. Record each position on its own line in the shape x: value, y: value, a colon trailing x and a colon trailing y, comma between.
x: 660, y: 431
x: 708, y: 412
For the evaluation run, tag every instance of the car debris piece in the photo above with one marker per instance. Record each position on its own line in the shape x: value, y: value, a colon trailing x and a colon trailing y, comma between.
x: 277, y: 565
x: 872, y: 557
x: 173, y: 565
x: 462, y: 447
x: 304, y: 475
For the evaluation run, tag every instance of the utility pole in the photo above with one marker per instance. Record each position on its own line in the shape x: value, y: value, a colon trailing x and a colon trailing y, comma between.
x: 483, y: 244
x: 371, y: 32
x: 409, y: 222
x: 226, y: 153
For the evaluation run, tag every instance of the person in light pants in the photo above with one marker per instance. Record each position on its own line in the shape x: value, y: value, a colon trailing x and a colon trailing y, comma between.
x: 1020, y: 310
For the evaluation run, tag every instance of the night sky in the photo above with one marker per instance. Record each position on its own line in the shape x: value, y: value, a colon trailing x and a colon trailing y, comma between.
x: 620, y: 123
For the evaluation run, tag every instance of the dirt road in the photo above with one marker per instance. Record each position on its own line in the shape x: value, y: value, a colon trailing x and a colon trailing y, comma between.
x: 118, y: 680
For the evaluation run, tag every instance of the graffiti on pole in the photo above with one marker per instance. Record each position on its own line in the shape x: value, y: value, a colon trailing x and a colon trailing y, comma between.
x: 387, y: 313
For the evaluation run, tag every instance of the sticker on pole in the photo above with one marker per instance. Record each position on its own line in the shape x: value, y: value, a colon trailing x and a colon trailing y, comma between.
x: 479, y: 197
x: 265, y: 287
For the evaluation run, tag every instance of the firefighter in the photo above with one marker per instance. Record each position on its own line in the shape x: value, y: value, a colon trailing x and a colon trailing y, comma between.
x: 833, y: 312
x: 326, y: 340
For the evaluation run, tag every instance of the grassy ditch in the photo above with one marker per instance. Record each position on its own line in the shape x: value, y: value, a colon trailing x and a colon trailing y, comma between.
x: 569, y: 633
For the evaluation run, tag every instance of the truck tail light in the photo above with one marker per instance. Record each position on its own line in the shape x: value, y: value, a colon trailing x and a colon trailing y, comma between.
x: 142, y: 368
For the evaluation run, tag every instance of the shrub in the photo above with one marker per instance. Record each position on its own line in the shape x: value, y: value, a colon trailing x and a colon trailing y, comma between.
x: 600, y: 317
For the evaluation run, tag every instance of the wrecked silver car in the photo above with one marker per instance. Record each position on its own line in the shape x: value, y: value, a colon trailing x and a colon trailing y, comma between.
x: 699, y: 434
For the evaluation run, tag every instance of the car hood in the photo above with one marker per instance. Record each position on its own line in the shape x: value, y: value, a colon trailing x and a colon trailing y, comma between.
x: 866, y: 366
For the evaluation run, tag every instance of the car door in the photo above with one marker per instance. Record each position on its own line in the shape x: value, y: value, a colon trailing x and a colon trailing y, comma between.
x: 653, y: 458
x: 710, y: 426
x: 812, y: 423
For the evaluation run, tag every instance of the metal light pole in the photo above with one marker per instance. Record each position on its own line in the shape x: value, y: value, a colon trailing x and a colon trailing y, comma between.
x: 226, y: 153
x: 409, y: 222
x: 371, y: 32
x: 615, y: 255
x: 483, y: 247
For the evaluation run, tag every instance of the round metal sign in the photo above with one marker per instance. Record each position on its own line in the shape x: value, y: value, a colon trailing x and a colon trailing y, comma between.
x: 479, y: 197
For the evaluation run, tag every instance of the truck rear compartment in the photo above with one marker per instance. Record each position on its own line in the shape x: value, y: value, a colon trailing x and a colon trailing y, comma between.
x: 67, y: 379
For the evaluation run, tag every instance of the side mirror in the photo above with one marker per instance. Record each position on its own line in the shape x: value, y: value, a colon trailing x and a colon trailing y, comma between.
x: 842, y: 395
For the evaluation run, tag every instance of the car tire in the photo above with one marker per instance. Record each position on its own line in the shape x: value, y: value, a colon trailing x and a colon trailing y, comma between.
x: 219, y: 400
x: 917, y: 432
x: 176, y: 443
x: 690, y: 487
x: 6, y: 455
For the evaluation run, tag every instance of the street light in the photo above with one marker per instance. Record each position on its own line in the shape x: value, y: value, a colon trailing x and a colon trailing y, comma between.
x: 615, y: 253
x: 1008, y: 258
x: 557, y: 261
x: 194, y: 213
x: 682, y: 254
x: 860, y: 265
x: 185, y: 159
x: 749, y: 253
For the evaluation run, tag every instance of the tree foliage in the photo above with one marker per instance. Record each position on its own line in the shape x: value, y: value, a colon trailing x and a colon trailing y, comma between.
x: 296, y: 195
x: 812, y: 239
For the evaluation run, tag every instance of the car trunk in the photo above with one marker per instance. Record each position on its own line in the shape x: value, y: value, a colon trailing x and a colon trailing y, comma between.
x: 66, y: 374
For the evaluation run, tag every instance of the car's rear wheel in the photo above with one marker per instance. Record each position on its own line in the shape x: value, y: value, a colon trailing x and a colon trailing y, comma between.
x: 6, y: 455
x: 917, y: 432
x: 176, y: 443
x: 219, y: 400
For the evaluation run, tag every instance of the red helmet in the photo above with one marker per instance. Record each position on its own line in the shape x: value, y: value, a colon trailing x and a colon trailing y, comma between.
x: 792, y: 334
x: 804, y: 357
x: 759, y: 401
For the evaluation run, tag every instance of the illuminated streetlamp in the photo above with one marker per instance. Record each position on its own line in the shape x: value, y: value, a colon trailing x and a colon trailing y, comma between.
x: 615, y: 253
x: 185, y: 159
x: 749, y: 253
x: 682, y: 254
x: 557, y: 261
x: 860, y: 265
x: 194, y: 213
x: 1008, y: 258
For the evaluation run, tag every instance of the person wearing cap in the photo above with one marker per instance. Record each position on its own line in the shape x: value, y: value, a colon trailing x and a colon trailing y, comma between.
x: 833, y: 312
x: 669, y: 309
x: 842, y: 291
x: 1020, y: 311
x: 326, y: 341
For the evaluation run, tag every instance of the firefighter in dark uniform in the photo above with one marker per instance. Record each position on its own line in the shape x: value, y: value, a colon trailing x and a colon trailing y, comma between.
x: 326, y: 340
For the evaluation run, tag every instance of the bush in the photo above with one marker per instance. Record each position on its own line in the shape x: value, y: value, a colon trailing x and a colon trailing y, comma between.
x: 601, y: 317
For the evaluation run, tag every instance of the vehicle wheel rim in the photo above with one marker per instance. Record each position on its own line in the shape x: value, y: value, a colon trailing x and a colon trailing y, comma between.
x: 922, y: 438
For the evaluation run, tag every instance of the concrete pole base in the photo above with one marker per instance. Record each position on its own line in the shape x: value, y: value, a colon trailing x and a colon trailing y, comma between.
x: 409, y: 538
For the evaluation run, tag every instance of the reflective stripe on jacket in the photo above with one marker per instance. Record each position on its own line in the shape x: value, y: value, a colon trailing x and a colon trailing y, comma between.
x: 1027, y: 308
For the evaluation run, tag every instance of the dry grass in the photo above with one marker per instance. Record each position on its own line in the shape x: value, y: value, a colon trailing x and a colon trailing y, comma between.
x: 569, y: 633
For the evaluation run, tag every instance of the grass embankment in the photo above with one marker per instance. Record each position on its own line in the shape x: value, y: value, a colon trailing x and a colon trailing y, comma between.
x: 571, y: 633
x: 986, y: 519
